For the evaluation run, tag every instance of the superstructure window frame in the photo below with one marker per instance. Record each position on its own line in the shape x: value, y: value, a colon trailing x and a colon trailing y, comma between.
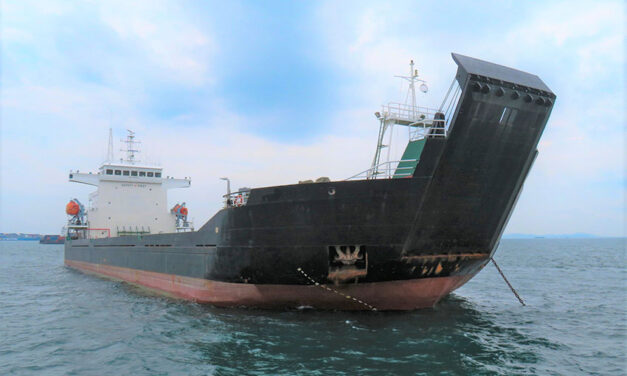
x: 133, y: 173
x: 149, y: 174
x: 109, y: 172
x: 118, y: 172
x: 157, y: 174
x: 142, y: 173
x: 125, y: 173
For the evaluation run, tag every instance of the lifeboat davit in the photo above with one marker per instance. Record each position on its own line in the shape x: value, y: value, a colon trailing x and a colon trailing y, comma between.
x: 72, y: 208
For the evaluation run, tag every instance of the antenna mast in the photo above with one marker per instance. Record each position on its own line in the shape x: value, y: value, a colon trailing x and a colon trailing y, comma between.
x: 406, y: 114
x: 130, y: 147
x: 110, y: 147
x: 412, y: 79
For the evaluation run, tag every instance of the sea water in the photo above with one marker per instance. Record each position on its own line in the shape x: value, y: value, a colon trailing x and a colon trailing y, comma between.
x: 57, y: 321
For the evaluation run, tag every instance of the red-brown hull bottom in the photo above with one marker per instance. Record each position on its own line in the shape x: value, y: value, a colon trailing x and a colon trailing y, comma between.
x: 391, y: 295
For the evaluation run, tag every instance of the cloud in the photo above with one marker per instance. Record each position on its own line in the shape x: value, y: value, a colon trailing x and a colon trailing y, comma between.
x: 71, y: 70
x: 148, y: 42
x: 576, y: 48
x: 165, y: 36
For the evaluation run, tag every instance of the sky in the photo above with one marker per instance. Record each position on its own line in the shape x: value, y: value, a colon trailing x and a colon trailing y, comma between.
x: 274, y: 92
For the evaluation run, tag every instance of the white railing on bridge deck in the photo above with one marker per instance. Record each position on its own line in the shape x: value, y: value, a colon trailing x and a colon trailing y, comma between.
x: 420, y: 120
x: 414, y: 115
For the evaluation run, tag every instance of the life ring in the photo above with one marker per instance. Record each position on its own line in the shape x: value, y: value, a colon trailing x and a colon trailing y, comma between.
x: 239, y: 200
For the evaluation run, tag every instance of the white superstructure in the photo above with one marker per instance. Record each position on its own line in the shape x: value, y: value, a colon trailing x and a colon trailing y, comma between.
x: 131, y: 198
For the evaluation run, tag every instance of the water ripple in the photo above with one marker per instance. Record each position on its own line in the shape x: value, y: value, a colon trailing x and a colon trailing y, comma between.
x: 57, y: 321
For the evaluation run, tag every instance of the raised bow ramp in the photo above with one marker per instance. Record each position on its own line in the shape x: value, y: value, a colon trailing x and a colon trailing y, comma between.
x: 477, y: 173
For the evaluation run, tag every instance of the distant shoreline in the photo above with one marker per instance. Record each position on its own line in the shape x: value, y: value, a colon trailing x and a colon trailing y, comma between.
x: 36, y: 237
x: 559, y: 236
x: 18, y: 240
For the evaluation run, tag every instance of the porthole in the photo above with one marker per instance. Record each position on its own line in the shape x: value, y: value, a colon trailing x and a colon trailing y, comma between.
x: 331, y: 191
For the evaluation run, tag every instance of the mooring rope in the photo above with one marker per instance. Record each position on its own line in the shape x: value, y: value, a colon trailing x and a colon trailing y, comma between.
x: 372, y: 308
x: 506, y: 281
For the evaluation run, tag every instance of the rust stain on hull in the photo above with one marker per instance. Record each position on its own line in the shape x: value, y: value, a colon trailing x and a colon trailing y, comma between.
x: 447, y: 256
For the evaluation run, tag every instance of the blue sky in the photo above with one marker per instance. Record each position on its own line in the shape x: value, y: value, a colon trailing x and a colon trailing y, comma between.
x: 275, y: 92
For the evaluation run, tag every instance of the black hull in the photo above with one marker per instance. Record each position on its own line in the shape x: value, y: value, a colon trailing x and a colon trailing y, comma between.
x: 444, y: 222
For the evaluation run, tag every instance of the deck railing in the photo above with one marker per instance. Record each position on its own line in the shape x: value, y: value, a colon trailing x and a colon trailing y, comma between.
x: 236, y: 199
x: 387, y: 170
x: 405, y: 113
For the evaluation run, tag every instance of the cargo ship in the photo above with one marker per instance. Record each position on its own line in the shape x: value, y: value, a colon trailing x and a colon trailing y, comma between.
x: 398, y: 236
x: 52, y: 239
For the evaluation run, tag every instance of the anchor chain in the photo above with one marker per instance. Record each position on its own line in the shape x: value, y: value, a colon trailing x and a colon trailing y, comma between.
x: 325, y: 287
x: 508, y: 284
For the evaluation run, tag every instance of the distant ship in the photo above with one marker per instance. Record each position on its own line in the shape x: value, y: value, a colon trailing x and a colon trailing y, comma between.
x: 52, y: 239
x: 398, y: 236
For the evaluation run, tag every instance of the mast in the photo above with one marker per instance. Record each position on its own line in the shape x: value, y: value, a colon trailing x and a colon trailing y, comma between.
x: 407, y: 114
x: 130, y: 147
x: 110, y: 147
x: 413, y: 75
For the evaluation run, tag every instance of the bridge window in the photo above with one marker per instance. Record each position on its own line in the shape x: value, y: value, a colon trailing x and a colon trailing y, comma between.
x: 125, y: 173
x: 133, y: 173
x: 118, y: 172
x: 157, y: 174
x: 109, y: 172
x: 149, y: 174
x: 142, y: 173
